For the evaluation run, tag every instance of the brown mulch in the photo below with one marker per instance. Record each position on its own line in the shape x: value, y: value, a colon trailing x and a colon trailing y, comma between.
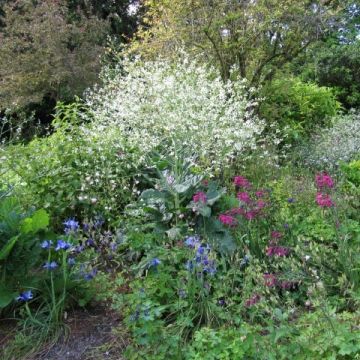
x: 93, y: 334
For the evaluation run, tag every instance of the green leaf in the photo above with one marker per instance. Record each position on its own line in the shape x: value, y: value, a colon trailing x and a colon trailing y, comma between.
x: 174, y: 233
x: 39, y: 221
x: 5, y: 251
x: 204, y: 211
x: 6, y: 296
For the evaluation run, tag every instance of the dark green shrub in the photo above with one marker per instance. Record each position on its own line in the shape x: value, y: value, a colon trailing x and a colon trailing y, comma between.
x: 297, y: 107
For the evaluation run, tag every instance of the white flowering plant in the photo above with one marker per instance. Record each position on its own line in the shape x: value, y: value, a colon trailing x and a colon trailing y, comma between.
x: 159, y: 103
x: 340, y: 143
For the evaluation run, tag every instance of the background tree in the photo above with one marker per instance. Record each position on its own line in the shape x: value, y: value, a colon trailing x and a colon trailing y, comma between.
x: 52, y: 50
x: 335, y: 61
x: 255, y: 36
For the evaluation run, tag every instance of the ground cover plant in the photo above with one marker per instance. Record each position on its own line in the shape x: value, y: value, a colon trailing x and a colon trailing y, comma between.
x: 176, y: 211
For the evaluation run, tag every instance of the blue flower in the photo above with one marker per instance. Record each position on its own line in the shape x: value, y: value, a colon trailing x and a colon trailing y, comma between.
x: 79, y: 249
x: 192, y: 241
x: 71, y: 261
x: 189, y: 265
x: 89, y: 242
x: 290, y: 200
x: 86, y: 227
x: 62, y: 245
x: 25, y: 296
x: 99, y: 222
x: 244, y: 261
x: 89, y: 276
x: 154, y: 262
x: 46, y: 244
x: 113, y: 246
x: 202, y: 249
x: 50, y: 265
x: 71, y: 225
x: 182, y: 293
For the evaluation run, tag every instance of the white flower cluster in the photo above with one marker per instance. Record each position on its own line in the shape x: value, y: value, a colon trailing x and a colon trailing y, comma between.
x: 157, y: 103
x: 340, y: 143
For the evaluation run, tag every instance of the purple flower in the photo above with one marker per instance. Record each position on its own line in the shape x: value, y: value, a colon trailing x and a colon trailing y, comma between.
x: 290, y: 200
x: 50, y: 265
x: 113, y: 246
x: 99, y: 222
x: 46, y: 244
x: 71, y: 261
x: 25, y: 296
x: 89, y: 242
x: 79, y: 249
x: 89, y: 276
x: 192, y: 241
x: 62, y: 245
x: 71, y: 225
x: 221, y: 302
x: 154, y: 262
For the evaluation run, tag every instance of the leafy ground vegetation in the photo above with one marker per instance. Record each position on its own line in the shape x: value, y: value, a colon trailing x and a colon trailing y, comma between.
x: 200, y: 200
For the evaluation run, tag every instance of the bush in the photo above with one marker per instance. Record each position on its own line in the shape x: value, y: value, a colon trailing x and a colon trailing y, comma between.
x: 340, y: 143
x: 74, y: 170
x: 297, y: 107
x: 161, y: 103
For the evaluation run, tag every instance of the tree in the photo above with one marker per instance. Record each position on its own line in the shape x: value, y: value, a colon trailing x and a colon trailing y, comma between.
x: 256, y: 36
x: 44, y: 54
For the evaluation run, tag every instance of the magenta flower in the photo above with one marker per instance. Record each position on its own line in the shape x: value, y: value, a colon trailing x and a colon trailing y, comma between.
x: 241, y: 181
x: 324, y: 200
x: 260, y: 193
x: 200, y: 197
x: 288, y: 285
x: 277, y: 251
x: 227, y: 220
x: 236, y: 211
x: 276, y: 235
x: 260, y: 204
x: 250, y: 215
x: 244, y: 197
x: 270, y: 280
x: 324, y: 180
x: 253, y: 300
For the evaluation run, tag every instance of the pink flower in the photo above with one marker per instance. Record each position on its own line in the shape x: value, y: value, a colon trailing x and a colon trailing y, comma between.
x: 324, y: 180
x: 236, y: 211
x: 200, y: 197
x: 276, y: 235
x: 324, y: 200
x: 244, y: 197
x: 241, y: 181
x: 270, y: 280
x: 260, y: 204
x: 260, y: 193
x: 227, y: 220
x: 287, y: 285
x: 277, y: 250
x: 250, y: 215
x: 253, y: 300
x: 205, y: 182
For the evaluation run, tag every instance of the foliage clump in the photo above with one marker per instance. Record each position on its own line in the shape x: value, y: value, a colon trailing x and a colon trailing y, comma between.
x: 161, y: 102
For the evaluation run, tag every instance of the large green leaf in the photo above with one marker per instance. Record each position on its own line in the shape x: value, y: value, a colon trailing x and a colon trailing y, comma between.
x: 39, y: 221
x: 6, y: 296
x: 6, y: 249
